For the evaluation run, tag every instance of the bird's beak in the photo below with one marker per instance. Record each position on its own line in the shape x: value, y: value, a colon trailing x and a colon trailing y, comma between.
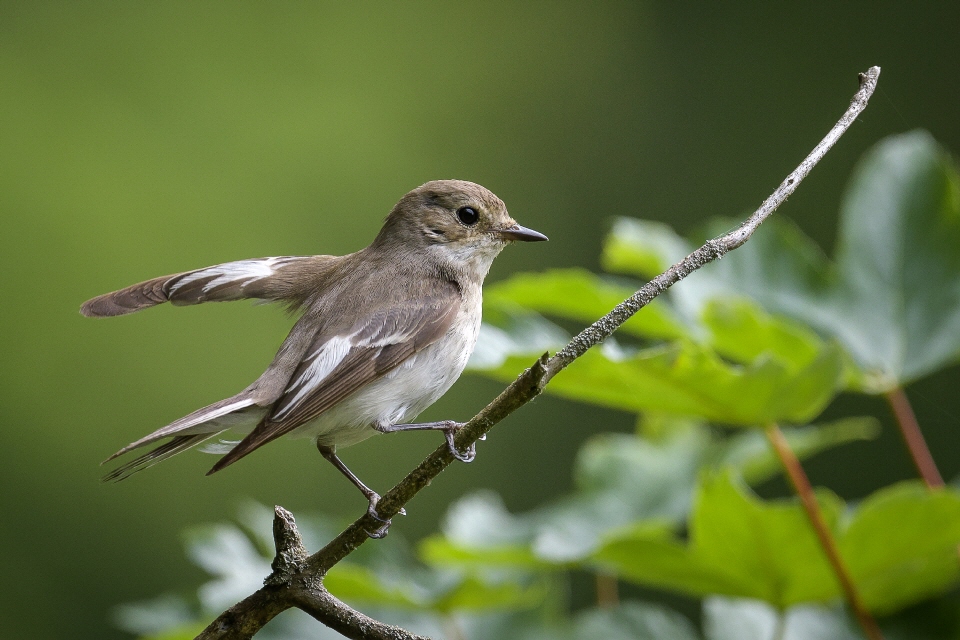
x: 516, y: 232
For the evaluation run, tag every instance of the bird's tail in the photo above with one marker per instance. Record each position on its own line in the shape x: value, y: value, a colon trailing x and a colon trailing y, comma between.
x: 159, y: 454
x: 189, y: 431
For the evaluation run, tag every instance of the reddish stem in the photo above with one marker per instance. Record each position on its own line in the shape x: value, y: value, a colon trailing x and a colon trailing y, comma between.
x: 913, y: 437
x: 803, y: 489
x: 608, y: 592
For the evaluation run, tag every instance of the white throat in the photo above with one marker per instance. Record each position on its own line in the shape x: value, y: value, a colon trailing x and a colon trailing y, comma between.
x: 474, y: 259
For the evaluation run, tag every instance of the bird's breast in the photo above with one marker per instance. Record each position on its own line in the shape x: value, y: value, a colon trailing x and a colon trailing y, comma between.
x: 404, y: 392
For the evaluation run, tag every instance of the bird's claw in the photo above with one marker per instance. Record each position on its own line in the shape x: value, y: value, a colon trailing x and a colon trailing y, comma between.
x: 380, y: 532
x: 471, y: 452
x: 383, y: 529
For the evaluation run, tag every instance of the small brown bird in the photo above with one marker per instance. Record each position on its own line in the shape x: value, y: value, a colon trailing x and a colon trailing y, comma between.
x: 384, y: 332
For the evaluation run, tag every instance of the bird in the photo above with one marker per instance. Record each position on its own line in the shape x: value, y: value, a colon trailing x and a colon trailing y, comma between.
x: 382, y: 333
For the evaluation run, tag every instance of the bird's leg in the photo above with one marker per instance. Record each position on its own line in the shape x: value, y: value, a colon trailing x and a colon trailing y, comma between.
x: 330, y: 453
x: 449, y: 428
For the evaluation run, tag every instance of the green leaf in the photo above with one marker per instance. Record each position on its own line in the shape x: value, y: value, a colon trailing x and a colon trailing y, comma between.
x: 742, y: 331
x: 645, y: 249
x: 439, y: 550
x: 506, y: 333
x: 620, y: 480
x: 902, y: 545
x: 642, y: 248
x: 579, y: 295
x: 471, y: 594
x: 741, y: 619
x: 691, y: 380
x: 780, y: 267
x: 480, y: 532
x: 232, y: 558
x: 442, y: 551
x: 633, y: 621
x: 384, y: 575
x: 898, y: 256
x: 893, y: 296
x: 355, y: 583
x: 738, y: 546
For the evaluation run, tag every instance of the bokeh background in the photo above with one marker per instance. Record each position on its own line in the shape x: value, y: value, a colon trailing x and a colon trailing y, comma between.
x: 138, y: 139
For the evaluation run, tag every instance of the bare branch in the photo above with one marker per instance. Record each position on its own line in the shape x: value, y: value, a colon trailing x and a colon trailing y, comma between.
x: 340, y: 617
x: 713, y: 249
x: 248, y: 616
x: 301, y: 582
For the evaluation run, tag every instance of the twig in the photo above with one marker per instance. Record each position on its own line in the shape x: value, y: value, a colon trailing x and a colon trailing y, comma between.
x: 801, y: 486
x: 713, y: 249
x: 319, y: 603
x: 308, y: 578
x: 913, y: 437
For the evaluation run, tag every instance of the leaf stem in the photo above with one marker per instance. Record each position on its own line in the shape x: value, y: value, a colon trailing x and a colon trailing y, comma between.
x: 913, y: 437
x: 608, y: 593
x: 803, y: 489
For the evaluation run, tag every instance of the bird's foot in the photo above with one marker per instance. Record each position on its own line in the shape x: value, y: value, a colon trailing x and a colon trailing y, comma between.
x: 449, y: 431
x: 383, y: 529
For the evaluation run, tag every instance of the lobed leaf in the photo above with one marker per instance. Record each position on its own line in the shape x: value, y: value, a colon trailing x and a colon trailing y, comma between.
x: 742, y: 619
x: 892, y: 297
x: 900, y: 545
x: 738, y: 545
x: 577, y: 294
x: 633, y: 621
x: 687, y: 379
x: 621, y: 480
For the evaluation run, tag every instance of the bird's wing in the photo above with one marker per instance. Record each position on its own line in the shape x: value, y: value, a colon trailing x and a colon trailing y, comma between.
x: 260, y: 278
x: 336, y: 366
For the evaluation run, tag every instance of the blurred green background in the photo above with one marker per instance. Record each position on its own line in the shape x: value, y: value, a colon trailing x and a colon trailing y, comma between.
x: 138, y: 139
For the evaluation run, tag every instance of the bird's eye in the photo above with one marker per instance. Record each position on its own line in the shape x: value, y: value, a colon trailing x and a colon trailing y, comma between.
x: 468, y: 216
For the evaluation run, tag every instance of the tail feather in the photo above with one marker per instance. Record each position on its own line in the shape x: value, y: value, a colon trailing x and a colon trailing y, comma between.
x: 159, y: 454
x: 207, y: 420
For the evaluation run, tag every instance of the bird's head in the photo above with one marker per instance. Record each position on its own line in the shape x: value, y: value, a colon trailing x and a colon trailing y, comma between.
x: 454, y: 220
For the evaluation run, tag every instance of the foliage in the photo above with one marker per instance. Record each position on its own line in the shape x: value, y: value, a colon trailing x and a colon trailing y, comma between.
x: 741, y: 546
x: 892, y: 294
x: 770, y: 334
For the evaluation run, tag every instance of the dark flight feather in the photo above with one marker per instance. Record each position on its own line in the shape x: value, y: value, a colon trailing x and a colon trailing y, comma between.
x: 396, y: 335
x: 166, y: 450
